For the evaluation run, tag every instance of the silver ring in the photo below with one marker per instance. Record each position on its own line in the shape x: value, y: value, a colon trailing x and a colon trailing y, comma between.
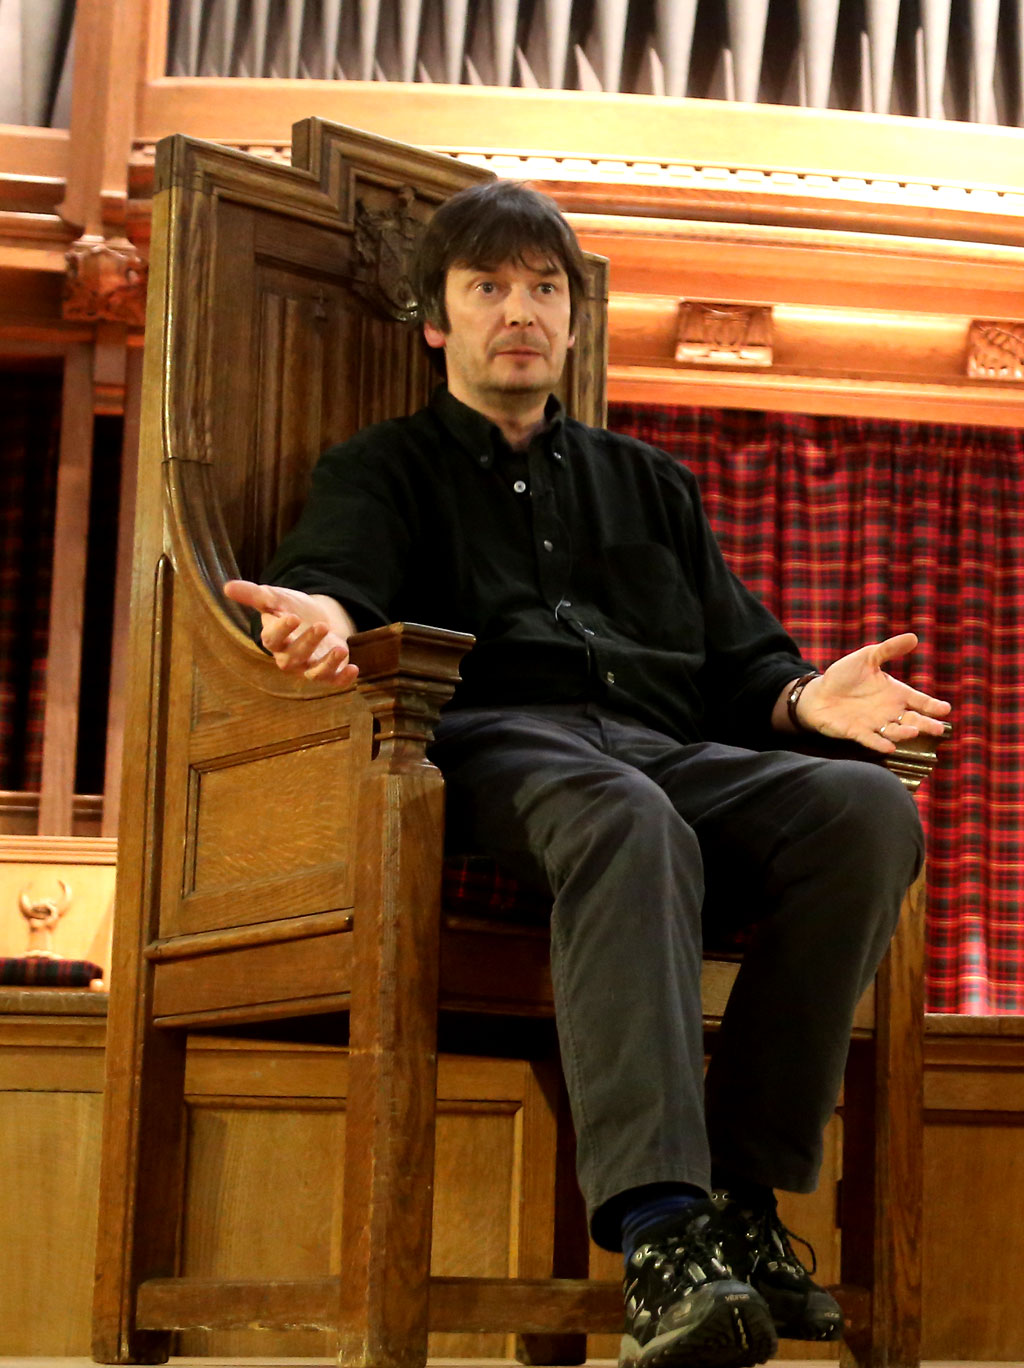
x: 881, y: 729
x: 900, y: 719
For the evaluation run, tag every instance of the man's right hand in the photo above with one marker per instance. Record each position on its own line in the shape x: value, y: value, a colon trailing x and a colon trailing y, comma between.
x: 305, y: 633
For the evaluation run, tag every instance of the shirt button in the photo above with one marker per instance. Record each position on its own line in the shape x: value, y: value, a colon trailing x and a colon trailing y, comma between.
x: 484, y: 460
x: 548, y: 545
x: 589, y: 631
x: 557, y: 455
x: 520, y: 486
x: 610, y: 677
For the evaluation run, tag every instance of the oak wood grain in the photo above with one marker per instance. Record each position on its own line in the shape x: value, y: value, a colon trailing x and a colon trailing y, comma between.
x: 67, y: 595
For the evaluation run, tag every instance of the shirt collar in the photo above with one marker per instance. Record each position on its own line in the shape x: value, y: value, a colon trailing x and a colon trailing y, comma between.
x: 476, y: 433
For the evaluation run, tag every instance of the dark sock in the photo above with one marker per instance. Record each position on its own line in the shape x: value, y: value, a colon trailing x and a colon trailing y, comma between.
x: 754, y: 1196
x: 654, y: 1210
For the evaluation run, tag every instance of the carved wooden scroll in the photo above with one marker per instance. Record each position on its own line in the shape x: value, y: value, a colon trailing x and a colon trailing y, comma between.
x: 724, y: 334
x: 384, y: 243
x: 995, y: 350
x: 106, y: 279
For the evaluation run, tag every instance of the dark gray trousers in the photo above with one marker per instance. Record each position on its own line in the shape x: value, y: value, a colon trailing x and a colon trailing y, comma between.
x: 642, y: 843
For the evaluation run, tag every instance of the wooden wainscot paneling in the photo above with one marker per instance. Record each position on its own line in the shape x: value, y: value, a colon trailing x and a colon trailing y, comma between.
x: 266, y: 1125
x: 974, y: 1188
x: 51, y: 1081
x: 266, y: 1135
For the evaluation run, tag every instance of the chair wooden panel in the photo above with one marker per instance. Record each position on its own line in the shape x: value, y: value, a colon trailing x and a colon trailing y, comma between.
x: 281, y: 853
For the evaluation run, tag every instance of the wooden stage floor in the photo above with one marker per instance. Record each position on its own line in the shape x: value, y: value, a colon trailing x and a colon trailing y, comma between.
x: 212, y: 1362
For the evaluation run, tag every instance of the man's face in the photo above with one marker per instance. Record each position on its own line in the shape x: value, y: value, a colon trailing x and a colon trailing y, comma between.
x: 508, y: 330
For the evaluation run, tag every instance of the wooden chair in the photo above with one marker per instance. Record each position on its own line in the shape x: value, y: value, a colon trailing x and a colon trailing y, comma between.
x: 280, y: 852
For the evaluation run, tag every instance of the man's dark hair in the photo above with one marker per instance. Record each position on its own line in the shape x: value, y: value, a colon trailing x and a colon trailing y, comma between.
x: 485, y: 225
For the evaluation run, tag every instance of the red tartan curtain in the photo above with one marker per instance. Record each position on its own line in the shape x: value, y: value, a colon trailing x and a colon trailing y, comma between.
x: 851, y: 530
x: 29, y: 443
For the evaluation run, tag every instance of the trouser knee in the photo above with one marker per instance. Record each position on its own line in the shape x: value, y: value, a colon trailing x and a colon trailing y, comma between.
x: 623, y: 827
x: 863, y: 817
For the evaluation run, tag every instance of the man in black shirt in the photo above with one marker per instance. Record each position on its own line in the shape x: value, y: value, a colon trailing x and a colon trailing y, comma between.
x: 611, y: 744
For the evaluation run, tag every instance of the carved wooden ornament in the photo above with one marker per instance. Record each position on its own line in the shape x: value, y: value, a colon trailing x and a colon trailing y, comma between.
x: 106, y: 279
x: 42, y: 915
x: 995, y: 350
x: 384, y: 243
x: 724, y: 334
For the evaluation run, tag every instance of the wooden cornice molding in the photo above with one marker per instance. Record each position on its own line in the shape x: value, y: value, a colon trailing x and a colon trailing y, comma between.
x: 32, y: 242
x: 867, y: 362
x: 901, y: 297
x: 738, y: 194
x: 566, y: 125
x: 729, y: 192
x: 72, y: 850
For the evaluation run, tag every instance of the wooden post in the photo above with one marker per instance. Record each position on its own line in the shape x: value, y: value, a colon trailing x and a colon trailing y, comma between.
x: 67, y: 595
x: 391, y: 1111
x: 883, y: 1162
x: 108, y: 40
x: 122, y: 591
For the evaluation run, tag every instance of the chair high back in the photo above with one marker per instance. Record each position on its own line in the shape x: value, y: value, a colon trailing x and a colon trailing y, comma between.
x: 281, y: 848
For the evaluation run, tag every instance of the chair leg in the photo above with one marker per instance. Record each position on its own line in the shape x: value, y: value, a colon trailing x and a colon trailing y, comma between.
x: 141, y: 1179
x: 392, y: 1092
x: 882, y: 1186
x: 569, y: 1244
x: 388, y: 1211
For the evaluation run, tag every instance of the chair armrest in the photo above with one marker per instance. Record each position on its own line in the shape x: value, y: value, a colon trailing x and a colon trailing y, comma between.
x: 912, y: 761
x: 407, y: 672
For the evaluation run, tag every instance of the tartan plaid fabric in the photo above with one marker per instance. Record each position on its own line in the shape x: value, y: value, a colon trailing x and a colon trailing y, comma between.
x: 474, y: 886
x: 47, y: 973
x: 852, y: 529
x: 29, y: 439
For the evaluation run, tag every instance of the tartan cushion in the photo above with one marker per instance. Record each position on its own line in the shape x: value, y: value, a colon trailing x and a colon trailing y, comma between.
x: 474, y: 886
x: 36, y: 972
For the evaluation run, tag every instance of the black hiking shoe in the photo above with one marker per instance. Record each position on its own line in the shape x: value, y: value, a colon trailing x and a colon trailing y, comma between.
x: 756, y: 1246
x: 684, y: 1309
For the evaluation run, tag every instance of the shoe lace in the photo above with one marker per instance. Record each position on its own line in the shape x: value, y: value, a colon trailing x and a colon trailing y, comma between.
x: 773, y: 1234
x: 680, y: 1261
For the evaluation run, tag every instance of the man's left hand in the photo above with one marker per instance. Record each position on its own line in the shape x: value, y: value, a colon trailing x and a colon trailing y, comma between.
x: 857, y: 700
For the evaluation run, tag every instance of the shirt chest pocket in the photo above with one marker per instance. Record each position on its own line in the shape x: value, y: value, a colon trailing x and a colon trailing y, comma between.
x: 644, y: 592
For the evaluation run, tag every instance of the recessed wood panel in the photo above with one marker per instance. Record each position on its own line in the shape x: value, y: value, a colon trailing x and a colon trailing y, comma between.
x: 51, y: 1070
x: 264, y: 1200
x: 299, y: 364
x: 237, y: 820
x: 473, y: 1174
x: 974, y: 1243
x: 49, y: 1159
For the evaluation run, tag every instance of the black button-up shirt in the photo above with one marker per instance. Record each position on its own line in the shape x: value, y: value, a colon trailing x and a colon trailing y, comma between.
x: 583, y: 565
